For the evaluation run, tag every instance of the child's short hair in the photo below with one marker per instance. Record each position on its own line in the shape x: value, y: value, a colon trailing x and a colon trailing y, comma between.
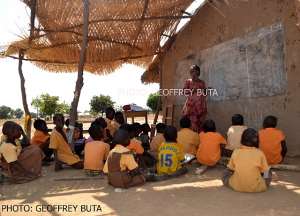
x: 160, y: 128
x: 185, y: 122
x: 58, y: 116
x: 270, y: 122
x: 41, y: 125
x: 135, y: 128
x: 9, y: 127
x: 250, y: 138
x: 96, y: 132
x: 145, y: 128
x: 100, y: 121
x: 121, y: 137
x: 119, y: 117
x: 209, y: 126
x: 170, y: 134
x: 110, y: 112
x: 67, y: 122
x: 125, y: 127
x: 237, y: 119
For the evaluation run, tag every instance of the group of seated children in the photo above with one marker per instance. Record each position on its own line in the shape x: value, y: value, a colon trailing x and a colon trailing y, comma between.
x: 128, y: 156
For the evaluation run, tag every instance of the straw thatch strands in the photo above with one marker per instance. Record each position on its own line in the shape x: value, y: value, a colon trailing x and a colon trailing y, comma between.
x: 119, y: 31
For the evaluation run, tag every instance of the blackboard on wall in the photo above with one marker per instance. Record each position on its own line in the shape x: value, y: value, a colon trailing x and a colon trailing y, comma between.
x: 246, y: 67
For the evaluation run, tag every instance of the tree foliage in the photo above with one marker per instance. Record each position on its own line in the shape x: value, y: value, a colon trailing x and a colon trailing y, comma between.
x: 49, y: 105
x: 18, y: 113
x: 99, y: 104
x: 152, y: 101
x: 9, y: 113
x: 6, y: 112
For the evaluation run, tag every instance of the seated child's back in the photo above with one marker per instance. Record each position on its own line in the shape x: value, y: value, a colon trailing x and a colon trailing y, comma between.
x: 272, y: 141
x: 135, y: 144
x: 248, y: 163
x: 40, y: 136
x: 235, y: 132
x: 187, y: 137
x: 158, y: 139
x: 170, y: 153
x: 95, y: 152
x: 121, y: 167
x: 209, y: 151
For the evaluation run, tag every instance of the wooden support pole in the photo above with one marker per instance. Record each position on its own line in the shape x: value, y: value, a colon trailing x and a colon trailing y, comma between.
x: 27, y: 123
x: 79, y: 82
x: 159, y: 104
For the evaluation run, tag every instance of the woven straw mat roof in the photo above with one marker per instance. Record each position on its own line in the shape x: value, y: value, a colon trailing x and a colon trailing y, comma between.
x: 119, y: 31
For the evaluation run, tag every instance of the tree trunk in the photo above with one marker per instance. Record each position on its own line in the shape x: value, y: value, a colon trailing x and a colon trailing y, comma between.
x: 79, y: 82
x: 159, y: 103
x: 27, y: 123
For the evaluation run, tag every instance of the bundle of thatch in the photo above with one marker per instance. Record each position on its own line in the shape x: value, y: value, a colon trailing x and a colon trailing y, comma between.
x: 119, y: 31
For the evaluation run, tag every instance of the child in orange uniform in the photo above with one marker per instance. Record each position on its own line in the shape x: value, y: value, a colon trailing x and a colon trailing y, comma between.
x: 209, y: 151
x: 272, y: 141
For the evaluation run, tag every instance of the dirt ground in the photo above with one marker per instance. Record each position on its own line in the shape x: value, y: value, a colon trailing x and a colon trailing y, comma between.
x: 188, y: 195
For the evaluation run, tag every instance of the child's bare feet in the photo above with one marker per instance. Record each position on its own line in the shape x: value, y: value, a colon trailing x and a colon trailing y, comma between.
x: 58, y: 166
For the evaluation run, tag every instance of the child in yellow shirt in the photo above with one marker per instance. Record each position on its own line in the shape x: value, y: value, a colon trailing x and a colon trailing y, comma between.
x: 272, y: 141
x: 61, y: 148
x: 187, y: 137
x: 247, y: 165
x: 170, y: 153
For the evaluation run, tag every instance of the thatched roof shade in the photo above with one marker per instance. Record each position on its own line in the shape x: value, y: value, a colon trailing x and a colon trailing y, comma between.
x: 119, y: 31
x: 151, y: 75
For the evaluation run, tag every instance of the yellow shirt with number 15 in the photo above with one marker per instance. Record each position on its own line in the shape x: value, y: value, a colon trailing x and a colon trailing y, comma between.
x: 170, y: 156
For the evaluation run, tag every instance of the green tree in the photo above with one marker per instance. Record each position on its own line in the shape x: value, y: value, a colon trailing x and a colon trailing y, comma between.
x: 100, y: 103
x: 152, y: 101
x: 46, y: 104
x: 18, y: 113
x: 63, y: 108
x: 6, y: 112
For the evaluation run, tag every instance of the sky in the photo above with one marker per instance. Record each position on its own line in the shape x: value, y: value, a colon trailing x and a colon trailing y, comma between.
x: 124, y: 85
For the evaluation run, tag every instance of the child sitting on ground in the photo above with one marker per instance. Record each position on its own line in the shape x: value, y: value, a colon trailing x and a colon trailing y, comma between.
x: 135, y: 144
x: 187, y: 137
x: 211, y: 143
x: 112, y: 127
x: 144, y: 136
x: 272, y: 141
x: 61, y: 148
x: 119, y: 119
x: 158, y: 139
x: 41, y: 138
x: 234, y: 134
x: 78, y: 140
x: 170, y: 154
x: 18, y: 164
x: 95, y: 152
x: 122, y: 169
x: 246, y: 165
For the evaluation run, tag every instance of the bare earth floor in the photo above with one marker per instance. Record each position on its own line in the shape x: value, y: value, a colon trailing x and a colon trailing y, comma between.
x: 189, y: 195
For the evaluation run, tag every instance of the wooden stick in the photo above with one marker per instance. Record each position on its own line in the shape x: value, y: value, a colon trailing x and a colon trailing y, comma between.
x: 27, y: 123
x: 79, y: 82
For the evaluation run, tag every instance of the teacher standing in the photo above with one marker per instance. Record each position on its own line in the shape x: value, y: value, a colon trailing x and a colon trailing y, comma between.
x: 195, y: 107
